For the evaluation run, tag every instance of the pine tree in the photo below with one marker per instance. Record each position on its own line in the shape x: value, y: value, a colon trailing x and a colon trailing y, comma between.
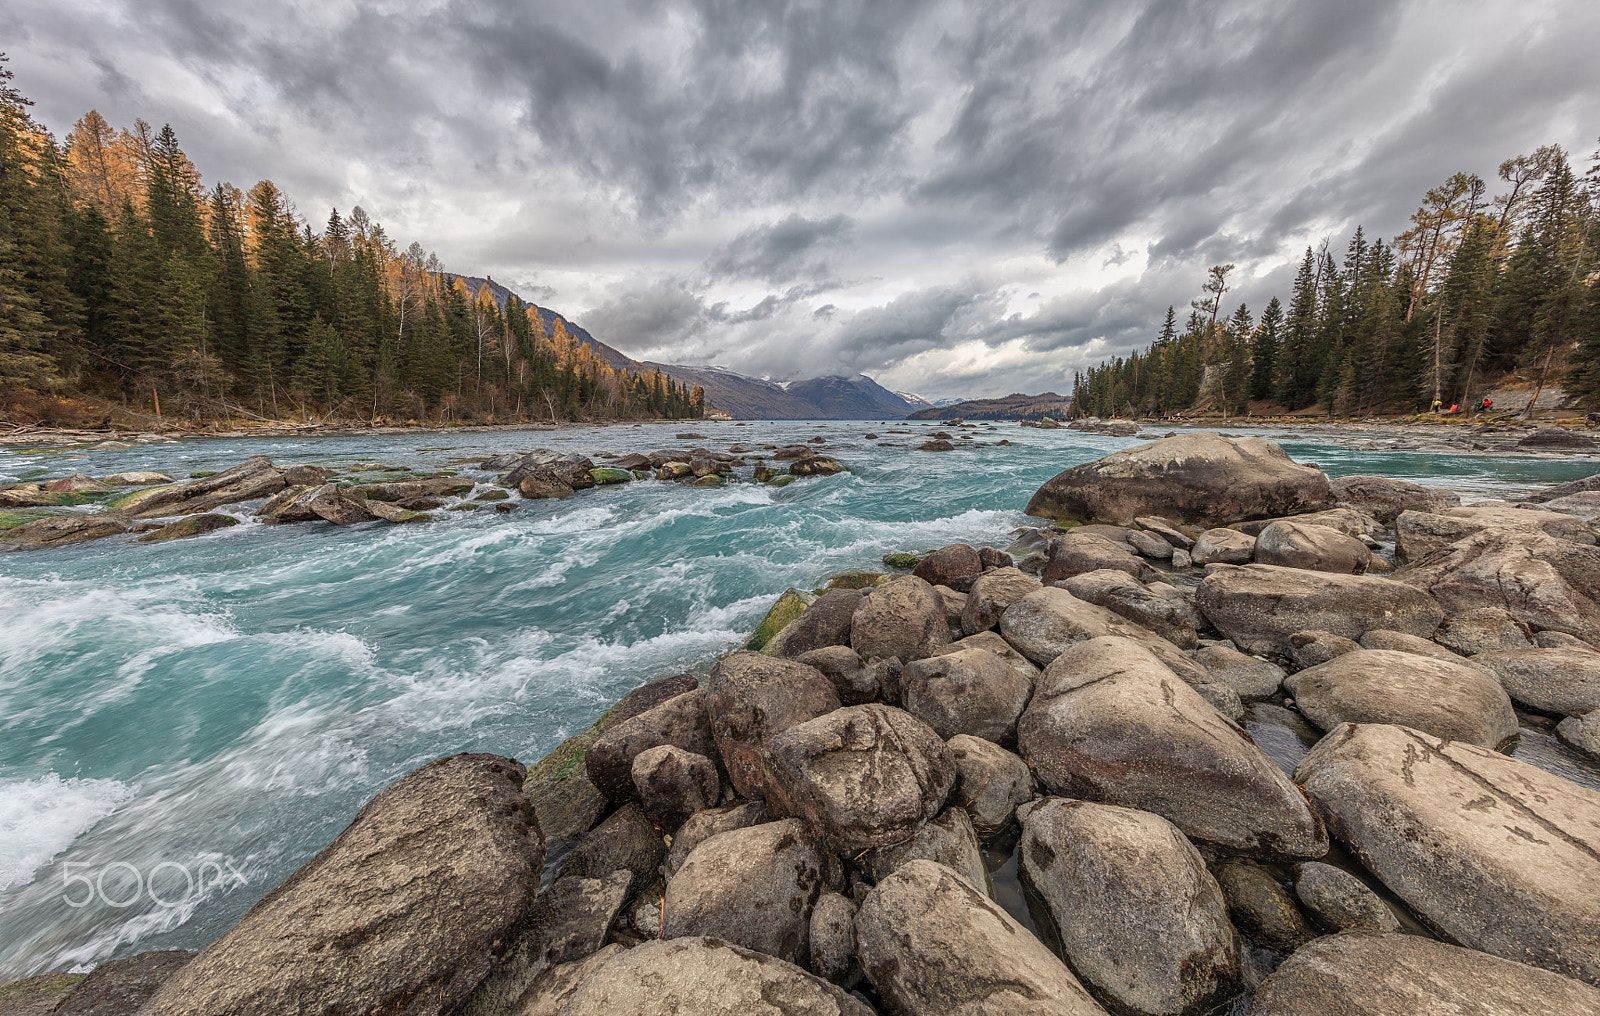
x: 1264, y: 351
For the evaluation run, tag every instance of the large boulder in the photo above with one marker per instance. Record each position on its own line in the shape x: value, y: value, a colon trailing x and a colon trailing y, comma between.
x: 1407, y: 975
x: 990, y: 595
x: 934, y: 946
x: 1316, y: 548
x: 681, y: 721
x: 679, y: 976
x: 1199, y: 479
x: 1449, y: 700
x: 855, y: 681
x: 253, y: 478
x: 402, y: 912
x: 1544, y: 582
x: 949, y: 839
x: 1561, y: 681
x: 862, y: 776
x: 1261, y: 606
x: 62, y: 530
x: 1384, y: 499
x: 1160, y: 607
x: 1418, y: 534
x: 1139, y: 916
x: 1110, y: 723
x: 1046, y: 623
x: 904, y: 617
x: 1000, y: 647
x: 1251, y: 678
x: 189, y: 525
x: 753, y: 887
x: 1223, y: 546
x: 674, y: 784
x: 1079, y: 552
x: 1588, y: 484
x: 703, y: 825
x: 824, y: 623
x: 1489, y: 851
x: 990, y: 782
x: 955, y: 566
x: 750, y: 698
x: 970, y: 691
x: 1556, y: 438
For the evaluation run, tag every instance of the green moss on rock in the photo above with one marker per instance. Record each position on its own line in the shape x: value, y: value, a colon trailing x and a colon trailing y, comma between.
x: 901, y: 562
x: 790, y: 605
x: 780, y: 481
x: 606, y: 475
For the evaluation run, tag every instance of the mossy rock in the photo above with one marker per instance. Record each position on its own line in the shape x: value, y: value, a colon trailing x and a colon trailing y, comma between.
x: 780, y: 481
x: 605, y: 475
x: 901, y: 562
x: 465, y: 506
x: 55, y: 499
x: 39, y: 994
x: 22, y: 516
x: 856, y: 580
x: 713, y: 480
x: 492, y: 495
x: 790, y: 605
x: 134, y: 498
x: 673, y: 471
x: 641, y: 474
x: 1062, y: 525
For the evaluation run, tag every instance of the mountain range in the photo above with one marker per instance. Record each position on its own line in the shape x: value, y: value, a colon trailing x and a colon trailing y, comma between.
x: 743, y: 397
x: 1015, y: 406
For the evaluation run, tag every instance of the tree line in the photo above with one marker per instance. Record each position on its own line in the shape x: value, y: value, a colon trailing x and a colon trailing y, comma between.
x: 1476, y: 289
x: 124, y: 279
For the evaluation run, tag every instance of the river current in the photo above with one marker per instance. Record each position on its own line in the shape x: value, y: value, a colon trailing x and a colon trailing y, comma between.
x: 183, y: 724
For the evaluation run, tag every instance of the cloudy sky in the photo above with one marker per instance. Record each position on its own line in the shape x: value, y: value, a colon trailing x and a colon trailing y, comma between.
x: 955, y: 198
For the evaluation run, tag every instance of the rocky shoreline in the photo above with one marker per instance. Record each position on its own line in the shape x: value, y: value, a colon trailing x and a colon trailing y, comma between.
x: 804, y: 830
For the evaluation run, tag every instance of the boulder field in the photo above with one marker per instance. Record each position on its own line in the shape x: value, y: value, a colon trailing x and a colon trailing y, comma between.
x: 845, y: 816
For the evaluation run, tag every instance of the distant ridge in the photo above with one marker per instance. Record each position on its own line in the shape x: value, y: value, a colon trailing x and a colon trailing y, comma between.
x: 1015, y: 406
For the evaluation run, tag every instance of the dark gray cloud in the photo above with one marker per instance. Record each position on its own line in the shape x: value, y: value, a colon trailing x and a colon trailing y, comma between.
x: 955, y: 197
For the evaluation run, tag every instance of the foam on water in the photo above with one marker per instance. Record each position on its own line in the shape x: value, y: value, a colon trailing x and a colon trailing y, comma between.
x: 40, y: 818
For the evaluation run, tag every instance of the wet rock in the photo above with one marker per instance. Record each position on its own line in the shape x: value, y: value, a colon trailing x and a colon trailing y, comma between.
x: 1223, y: 699
x: 1317, y: 548
x: 676, y: 977
x: 1539, y: 580
x: 1077, y: 553
x: 77, y: 483
x: 1418, y: 534
x: 661, y: 458
x: 752, y: 698
x: 604, y: 476
x: 626, y: 841
x: 1110, y: 723
x: 36, y: 996
x: 970, y: 691
x: 990, y: 782
x: 856, y: 580
x: 1448, y: 700
x: 1384, y: 499
x: 1485, y: 849
x: 1223, y: 546
x: 136, y: 479
x: 61, y: 530
x: 1560, y: 681
x: 1197, y: 479
x: 833, y: 940
x: 1261, y: 909
x: 1260, y: 606
x: 326, y: 502
x: 754, y: 887
x: 904, y: 617
x: 674, y: 784
x: 948, y: 839
x: 862, y: 776
x: 934, y: 946
x: 189, y: 525
x: 398, y: 515
x: 1158, y: 607
x: 122, y: 987
x: 1340, y: 901
x: 402, y: 912
x: 1406, y: 975
x: 307, y: 476
x: 633, y: 462
x: 1048, y: 622
x: 855, y: 682
x: 990, y: 595
x: 824, y: 623
x: 1314, y: 648
x: 954, y: 566
x: 682, y: 721
x: 790, y: 606
x: 1581, y: 733
x: 1139, y: 916
x: 1253, y: 679
x: 253, y: 478
x: 936, y: 446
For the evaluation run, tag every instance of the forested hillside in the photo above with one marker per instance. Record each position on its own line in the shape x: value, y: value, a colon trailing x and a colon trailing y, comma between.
x: 126, y: 282
x: 1477, y: 288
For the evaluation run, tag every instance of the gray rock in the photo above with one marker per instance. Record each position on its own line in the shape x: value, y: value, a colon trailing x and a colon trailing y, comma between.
x: 1046, y: 623
x: 253, y: 478
x: 750, y: 698
x: 1261, y: 909
x: 1581, y: 733
x: 1485, y: 849
x: 1223, y: 699
x: 674, y: 784
x: 1150, y: 545
x: 1166, y: 530
x: 1406, y: 975
x: 970, y: 691
x: 1586, y: 485
x: 137, y: 478
x: 833, y: 940
x: 61, y: 530
x: 1251, y: 678
x: 992, y: 642
x: 1540, y: 580
x: 904, y: 617
x: 329, y: 503
x: 1317, y: 548
x: 949, y: 839
x: 855, y: 682
x: 1139, y: 916
x: 1401, y: 643
x: 1314, y: 648
x: 990, y: 782
x: 954, y: 566
x: 1556, y: 437
x: 1384, y: 499
x: 753, y: 887
x: 625, y: 841
x: 1340, y: 901
x: 994, y: 558
x: 862, y: 776
x: 1418, y: 534
x: 120, y: 987
x: 1448, y: 700
x: 703, y: 825
x: 680, y: 976
x: 1181, y: 560
x: 306, y: 476
x: 291, y: 504
x: 1197, y: 479
x: 1223, y: 546
x: 1158, y: 607
x: 681, y: 721
x: 1079, y: 552
x: 1260, y: 606
x: 992, y: 592
x: 824, y: 623
x: 953, y: 602
x: 1348, y: 521
x: 934, y: 946
x: 190, y: 525
x: 1561, y: 681
x: 1110, y: 723
x: 401, y: 912
x: 1557, y: 640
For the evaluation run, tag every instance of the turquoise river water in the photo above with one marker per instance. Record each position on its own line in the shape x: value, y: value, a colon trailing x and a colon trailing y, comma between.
x: 183, y: 724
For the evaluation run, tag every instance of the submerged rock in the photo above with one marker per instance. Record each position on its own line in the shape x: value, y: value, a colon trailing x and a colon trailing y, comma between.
x: 61, y: 530
x: 191, y: 525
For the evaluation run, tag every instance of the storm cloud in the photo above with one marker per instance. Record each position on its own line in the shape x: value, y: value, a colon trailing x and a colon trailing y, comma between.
x: 960, y: 199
